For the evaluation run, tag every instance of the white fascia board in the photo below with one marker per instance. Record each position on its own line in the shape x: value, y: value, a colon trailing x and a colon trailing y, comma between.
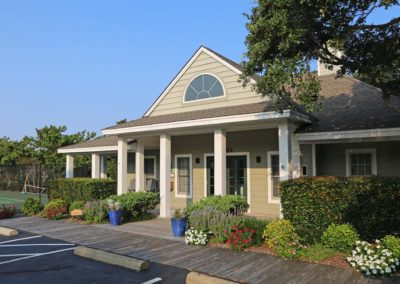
x: 88, y: 150
x: 200, y: 122
x: 180, y: 74
x: 350, y: 134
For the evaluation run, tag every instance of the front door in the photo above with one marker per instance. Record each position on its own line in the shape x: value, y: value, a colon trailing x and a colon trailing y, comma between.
x: 236, y: 175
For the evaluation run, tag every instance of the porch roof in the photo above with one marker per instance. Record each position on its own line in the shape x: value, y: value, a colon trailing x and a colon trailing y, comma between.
x: 99, y: 144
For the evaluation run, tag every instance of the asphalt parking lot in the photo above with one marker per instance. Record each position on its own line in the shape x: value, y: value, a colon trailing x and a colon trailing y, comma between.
x: 29, y: 258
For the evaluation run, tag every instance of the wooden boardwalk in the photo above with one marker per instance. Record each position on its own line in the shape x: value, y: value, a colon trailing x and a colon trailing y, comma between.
x: 248, y: 267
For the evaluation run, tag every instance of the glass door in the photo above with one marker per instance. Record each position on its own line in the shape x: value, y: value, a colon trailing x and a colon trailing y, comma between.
x: 210, y: 175
x: 236, y: 175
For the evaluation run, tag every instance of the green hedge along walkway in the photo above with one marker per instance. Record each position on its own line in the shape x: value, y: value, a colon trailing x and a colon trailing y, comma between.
x: 246, y: 267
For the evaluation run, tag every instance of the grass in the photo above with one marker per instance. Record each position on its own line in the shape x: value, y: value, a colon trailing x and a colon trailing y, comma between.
x: 317, y: 252
x: 17, y: 198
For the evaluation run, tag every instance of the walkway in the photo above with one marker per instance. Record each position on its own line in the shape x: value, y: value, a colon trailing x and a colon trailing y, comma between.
x: 247, y: 267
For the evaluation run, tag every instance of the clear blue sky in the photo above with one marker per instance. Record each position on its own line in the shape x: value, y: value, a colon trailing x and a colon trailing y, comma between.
x: 87, y: 64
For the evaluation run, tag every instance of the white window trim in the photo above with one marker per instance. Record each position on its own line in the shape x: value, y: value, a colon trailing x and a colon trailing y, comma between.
x: 269, y: 175
x: 371, y: 151
x: 247, y: 154
x: 206, y: 99
x: 154, y: 158
x: 177, y: 195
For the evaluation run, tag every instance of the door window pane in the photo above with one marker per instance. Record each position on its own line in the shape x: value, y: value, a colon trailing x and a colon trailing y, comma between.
x: 275, y: 176
x: 184, y: 175
x: 149, y: 167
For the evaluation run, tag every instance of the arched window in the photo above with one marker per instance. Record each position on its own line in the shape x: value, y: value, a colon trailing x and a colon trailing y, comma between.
x: 204, y: 87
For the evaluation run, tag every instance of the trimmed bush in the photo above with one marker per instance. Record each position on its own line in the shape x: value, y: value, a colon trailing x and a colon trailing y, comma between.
x: 370, y: 204
x: 393, y: 244
x: 79, y: 204
x: 55, y: 210
x: 7, y: 211
x: 317, y: 252
x: 282, y: 238
x: 31, y: 207
x: 85, y: 189
x: 95, y: 211
x: 341, y: 238
x: 230, y: 204
x: 136, y: 205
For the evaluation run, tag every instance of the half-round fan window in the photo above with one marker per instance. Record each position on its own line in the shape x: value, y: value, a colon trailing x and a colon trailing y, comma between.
x: 204, y: 87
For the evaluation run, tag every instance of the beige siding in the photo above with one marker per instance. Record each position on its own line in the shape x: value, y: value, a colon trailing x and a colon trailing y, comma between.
x: 331, y: 158
x: 255, y: 142
x: 235, y: 94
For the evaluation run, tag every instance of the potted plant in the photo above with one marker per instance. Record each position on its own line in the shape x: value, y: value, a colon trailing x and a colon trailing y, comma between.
x: 114, y: 212
x: 178, y: 223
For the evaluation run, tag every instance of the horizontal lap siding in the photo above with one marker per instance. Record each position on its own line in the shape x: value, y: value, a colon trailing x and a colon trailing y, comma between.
x: 331, y: 158
x: 235, y: 94
x: 257, y: 142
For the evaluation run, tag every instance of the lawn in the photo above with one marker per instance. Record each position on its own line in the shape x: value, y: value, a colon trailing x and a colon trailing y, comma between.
x: 18, y: 198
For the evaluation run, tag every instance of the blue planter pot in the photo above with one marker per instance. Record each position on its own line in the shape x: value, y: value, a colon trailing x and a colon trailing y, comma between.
x: 179, y: 226
x: 115, y: 217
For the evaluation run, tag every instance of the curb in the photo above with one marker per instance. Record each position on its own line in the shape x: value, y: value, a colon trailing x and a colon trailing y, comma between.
x: 8, y: 232
x: 200, y: 278
x: 112, y: 258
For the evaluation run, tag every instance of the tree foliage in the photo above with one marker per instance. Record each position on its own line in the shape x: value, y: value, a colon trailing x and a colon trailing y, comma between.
x: 285, y: 36
x: 41, y: 148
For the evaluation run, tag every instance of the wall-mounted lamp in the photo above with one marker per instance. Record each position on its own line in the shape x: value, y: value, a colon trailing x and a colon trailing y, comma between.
x: 197, y: 160
x: 258, y: 159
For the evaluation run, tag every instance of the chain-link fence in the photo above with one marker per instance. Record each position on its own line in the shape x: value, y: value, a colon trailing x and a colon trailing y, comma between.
x: 14, y: 177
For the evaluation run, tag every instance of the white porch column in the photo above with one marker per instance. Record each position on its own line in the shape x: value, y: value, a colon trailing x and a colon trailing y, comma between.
x: 220, y: 162
x: 296, y: 154
x: 165, y: 175
x: 103, y: 166
x: 139, y: 166
x: 122, y: 166
x: 69, y: 168
x: 95, y: 166
x: 314, y: 161
x: 284, y: 151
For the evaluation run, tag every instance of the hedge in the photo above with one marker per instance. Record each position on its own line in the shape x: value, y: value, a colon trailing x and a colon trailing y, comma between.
x: 136, y: 205
x: 83, y: 189
x: 370, y: 204
x: 233, y: 204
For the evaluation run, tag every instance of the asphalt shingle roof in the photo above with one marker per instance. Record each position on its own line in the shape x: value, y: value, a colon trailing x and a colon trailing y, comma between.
x: 349, y: 104
x: 102, y: 141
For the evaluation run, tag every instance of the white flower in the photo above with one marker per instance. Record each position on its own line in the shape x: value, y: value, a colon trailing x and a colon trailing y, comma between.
x: 374, y: 271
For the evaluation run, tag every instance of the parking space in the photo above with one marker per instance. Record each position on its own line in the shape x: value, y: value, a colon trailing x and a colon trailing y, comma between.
x: 29, y: 258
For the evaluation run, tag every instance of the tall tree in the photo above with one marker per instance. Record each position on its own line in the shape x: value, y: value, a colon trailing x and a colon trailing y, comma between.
x: 285, y: 36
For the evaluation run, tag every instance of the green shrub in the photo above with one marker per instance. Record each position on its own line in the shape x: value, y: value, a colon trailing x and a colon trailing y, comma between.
x: 368, y: 203
x: 31, y: 206
x: 392, y: 243
x: 85, y: 189
x: 221, y: 224
x: 95, y: 211
x: 317, y: 252
x: 231, y: 204
x: 55, y: 210
x: 341, y: 238
x: 79, y: 204
x: 137, y: 204
x: 282, y: 238
x: 200, y: 219
x: 258, y: 225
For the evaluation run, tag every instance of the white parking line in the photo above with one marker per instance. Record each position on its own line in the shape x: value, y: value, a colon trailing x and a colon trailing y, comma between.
x: 152, y: 281
x: 36, y: 255
x: 20, y: 239
x: 33, y: 245
x: 18, y: 254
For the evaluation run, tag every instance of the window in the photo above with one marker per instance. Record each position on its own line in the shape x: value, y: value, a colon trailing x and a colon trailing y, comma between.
x: 273, y: 177
x: 361, y: 162
x: 150, y: 167
x: 204, y: 87
x: 183, y: 173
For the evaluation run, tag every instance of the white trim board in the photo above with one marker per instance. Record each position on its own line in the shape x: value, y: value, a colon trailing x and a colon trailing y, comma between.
x: 350, y: 134
x: 88, y: 150
x: 183, y: 70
